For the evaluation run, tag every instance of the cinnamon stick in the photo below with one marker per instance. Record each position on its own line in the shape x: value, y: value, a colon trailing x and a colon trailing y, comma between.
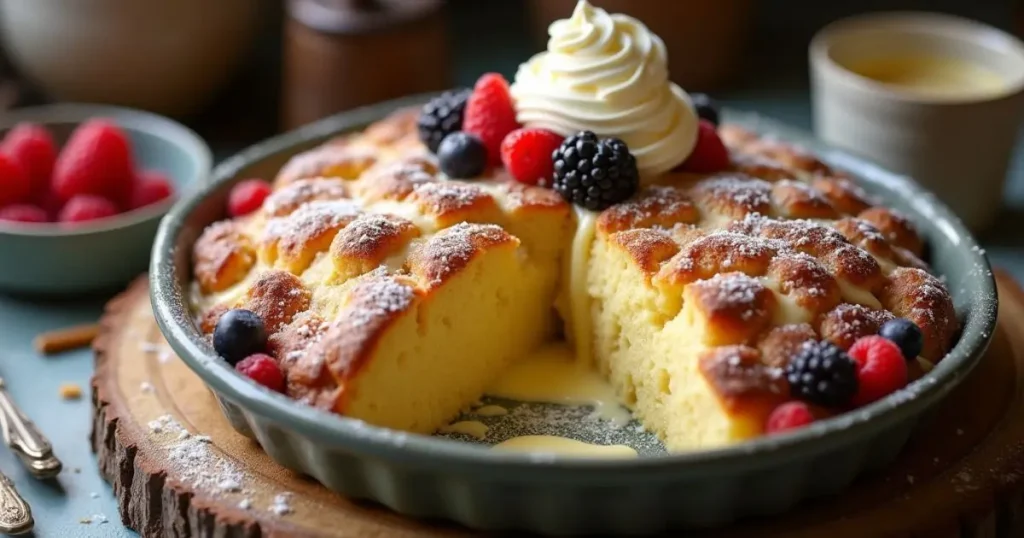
x: 66, y: 339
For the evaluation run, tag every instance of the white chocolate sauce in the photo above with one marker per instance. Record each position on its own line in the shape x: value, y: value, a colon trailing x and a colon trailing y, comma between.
x: 551, y: 375
x: 563, y: 446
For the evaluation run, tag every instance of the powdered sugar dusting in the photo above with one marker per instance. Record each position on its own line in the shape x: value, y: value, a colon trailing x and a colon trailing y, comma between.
x: 293, y: 195
x: 312, y: 219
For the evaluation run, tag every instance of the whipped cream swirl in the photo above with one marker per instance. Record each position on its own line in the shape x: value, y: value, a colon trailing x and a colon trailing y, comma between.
x: 608, y: 74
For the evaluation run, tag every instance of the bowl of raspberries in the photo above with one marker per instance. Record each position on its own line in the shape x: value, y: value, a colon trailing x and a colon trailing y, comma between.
x: 82, y: 191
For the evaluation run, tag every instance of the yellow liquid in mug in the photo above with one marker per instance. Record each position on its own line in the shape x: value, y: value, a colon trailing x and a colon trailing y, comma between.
x: 933, y: 75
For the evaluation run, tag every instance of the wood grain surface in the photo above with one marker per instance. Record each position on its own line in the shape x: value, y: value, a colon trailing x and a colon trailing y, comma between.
x: 962, y: 475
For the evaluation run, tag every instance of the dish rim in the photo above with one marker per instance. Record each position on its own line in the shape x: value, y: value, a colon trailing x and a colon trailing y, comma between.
x: 355, y: 436
x: 162, y: 127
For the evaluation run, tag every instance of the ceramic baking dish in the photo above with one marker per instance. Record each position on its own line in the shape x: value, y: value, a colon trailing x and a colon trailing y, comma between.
x: 428, y: 476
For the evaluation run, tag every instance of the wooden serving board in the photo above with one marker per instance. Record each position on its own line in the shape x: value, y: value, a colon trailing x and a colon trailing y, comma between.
x: 961, y: 475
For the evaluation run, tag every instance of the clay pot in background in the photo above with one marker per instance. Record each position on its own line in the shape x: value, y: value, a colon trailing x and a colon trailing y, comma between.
x: 341, y: 54
x: 167, y: 56
x: 704, y: 38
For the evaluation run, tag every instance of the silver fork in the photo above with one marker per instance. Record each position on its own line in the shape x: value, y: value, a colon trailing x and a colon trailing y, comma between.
x: 15, y: 514
x: 22, y: 436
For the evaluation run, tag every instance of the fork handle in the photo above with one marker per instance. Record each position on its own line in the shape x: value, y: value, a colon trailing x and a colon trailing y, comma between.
x: 15, y: 514
x: 21, y: 434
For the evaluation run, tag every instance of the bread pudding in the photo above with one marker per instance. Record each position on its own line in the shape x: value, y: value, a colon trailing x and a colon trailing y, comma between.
x: 713, y: 275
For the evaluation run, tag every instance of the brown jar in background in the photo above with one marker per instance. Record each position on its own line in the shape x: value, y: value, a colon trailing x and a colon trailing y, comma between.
x: 342, y: 54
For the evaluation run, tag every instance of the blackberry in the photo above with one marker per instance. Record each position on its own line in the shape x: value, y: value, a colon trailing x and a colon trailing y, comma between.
x: 594, y: 173
x: 441, y: 117
x: 905, y: 334
x: 239, y: 333
x: 823, y: 374
x: 462, y: 156
x: 707, y: 108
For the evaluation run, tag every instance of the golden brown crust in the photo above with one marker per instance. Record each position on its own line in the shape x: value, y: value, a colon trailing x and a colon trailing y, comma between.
x: 896, y: 228
x: 321, y: 375
x: 341, y: 162
x: 396, y: 180
x: 844, y: 195
x: 654, y: 206
x: 450, y: 203
x: 446, y: 253
x: 744, y: 383
x: 222, y: 256
x: 737, y: 307
x: 844, y: 324
x: 368, y: 241
x: 647, y: 248
x: 733, y: 195
x: 288, y: 198
x: 782, y: 343
x: 276, y: 297
x: 291, y: 242
x: 922, y: 298
x: 797, y: 200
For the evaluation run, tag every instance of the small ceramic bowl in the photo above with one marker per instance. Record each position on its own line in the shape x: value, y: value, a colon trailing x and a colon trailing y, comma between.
x: 427, y: 476
x: 54, y: 260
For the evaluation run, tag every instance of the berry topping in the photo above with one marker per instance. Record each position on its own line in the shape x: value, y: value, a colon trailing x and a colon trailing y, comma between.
x: 247, y: 196
x: 262, y: 369
x: 881, y: 369
x: 822, y: 374
x: 96, y: 160
x: 24, y: 213
x: 442, y: 116
x: 32, y: 147
x: 462, y: 156
x: 238, y: 334
x: 788, y: 416
x: 86, y: 207
x: 15, y: 185
x: 526, y: 154
x: 150, y: 187
x: 906, y: 335
x: 707, y: 108
x: 593, y: 173
x: 709, y: 154
x: 490, y: 114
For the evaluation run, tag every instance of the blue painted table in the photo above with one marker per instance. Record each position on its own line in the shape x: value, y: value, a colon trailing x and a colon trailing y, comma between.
x: 79, y: 494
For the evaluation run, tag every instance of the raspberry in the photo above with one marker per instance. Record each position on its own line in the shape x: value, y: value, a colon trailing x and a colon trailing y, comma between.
x: 881, y: 369
x: 33, y: 148
x: 150, y: 187
x: 262, y: 369
x: 86, y: 207
x: 788, y: 416
x: 490, y: 114
x: 247, y: 196
x: 709, y: 154
x: 96, y: 160
x: 24, y: 213
x: 527, y: 155
x: 15, y: 185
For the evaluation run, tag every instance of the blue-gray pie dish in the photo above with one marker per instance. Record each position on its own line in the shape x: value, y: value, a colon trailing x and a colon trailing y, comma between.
x: 427, y: 476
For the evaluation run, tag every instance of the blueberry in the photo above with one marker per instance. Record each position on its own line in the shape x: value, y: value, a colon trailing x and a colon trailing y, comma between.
x: 905, y: 334
x: 706, y: 107
x: 239, y: 333
x: 462, y: 156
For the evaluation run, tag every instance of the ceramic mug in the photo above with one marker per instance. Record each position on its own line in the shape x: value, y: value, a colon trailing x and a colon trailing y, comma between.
x: 957, y: 143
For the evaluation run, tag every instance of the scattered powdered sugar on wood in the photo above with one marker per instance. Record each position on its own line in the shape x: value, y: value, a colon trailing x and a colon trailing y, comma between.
x: 282, y: 504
